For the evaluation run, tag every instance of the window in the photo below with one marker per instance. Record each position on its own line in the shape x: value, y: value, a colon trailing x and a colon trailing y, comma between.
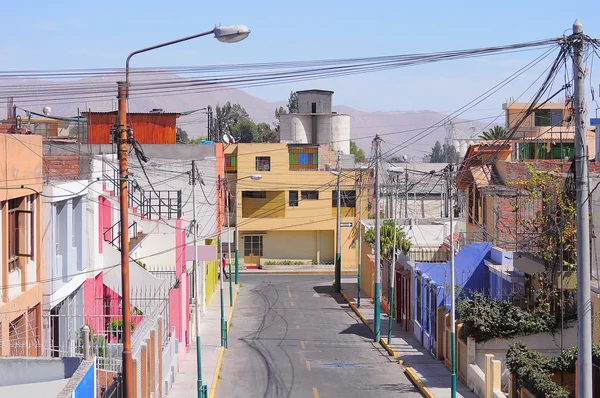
x: 418, y: 292
x: 254, y: 194
x: 231, y: 163
x: 313, y: 107
x: 473, y: 216
x: 427, y: 309
x: 253, y: 245
x: 543, y: 117
x: 310, y: 195
x: 304, y: 159
x: 347, y: 199
x: 294, y: 198
x: 20, y: 232
x: 263, y: 163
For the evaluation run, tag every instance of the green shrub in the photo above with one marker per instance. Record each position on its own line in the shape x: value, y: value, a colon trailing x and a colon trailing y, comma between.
x: 486, y: 319
x: 533, y: 371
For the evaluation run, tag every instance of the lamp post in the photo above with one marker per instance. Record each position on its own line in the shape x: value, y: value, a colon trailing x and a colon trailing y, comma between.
x: 226, y: 34
x: 253, y: 177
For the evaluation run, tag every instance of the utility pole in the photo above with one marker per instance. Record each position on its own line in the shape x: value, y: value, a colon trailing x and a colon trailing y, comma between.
x: 584, y: 305
x: 223, y: 328
x: 338, y: 228
x: 229, y: 244
x: 450, y: 177
x: 124, y: 230
x: 377, y: 325
x: 405, y: 193
x: 360, y: 192
x: 392, y: 266
x: 202, y: 389
x: 209, y: 132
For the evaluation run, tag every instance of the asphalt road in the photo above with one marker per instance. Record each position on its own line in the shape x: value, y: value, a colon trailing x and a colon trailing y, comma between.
x: 292, y: 336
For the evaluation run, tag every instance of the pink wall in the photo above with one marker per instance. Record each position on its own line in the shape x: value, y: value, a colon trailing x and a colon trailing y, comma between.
x: 104, y: 219
x: 179, y: 310
x: 93, y: 293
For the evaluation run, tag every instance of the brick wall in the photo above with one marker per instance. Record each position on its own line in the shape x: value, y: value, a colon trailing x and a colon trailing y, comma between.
x: 62, y: 167
x: 516, y: 171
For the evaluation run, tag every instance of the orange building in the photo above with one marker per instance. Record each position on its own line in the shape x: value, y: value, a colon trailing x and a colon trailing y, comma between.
x: 148, y: 128
x: 20, y: 245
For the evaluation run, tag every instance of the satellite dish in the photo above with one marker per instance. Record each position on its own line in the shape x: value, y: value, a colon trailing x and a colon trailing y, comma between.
x: 46, y: 110
x: 404, y: 158
x: 226, y: 139
x: 231, y: 139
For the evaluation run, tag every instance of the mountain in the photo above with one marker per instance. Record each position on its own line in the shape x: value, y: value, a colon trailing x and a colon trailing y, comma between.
x: 402, y: 130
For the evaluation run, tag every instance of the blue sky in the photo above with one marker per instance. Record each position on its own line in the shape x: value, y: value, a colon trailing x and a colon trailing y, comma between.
x: 85, y: 34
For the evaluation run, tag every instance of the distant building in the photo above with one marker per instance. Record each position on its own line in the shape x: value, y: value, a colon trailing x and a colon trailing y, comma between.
x: 289, y: 214
x: 316, y: 123
x: 154, y: 127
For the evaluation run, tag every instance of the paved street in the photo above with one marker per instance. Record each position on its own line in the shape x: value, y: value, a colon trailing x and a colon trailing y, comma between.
x: 291, y: 336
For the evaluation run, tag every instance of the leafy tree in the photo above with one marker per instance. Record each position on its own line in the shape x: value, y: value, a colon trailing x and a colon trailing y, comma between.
x: 450, y: 154
x: 495, y: 133
x: 437, y: 153
x: 266, y: 133
x: 181, y: 136
x: 292, y: 104
x: 292, y: 107
x: 246, y: 131
x: 387, y: 239
x: 227, y: 116
x: 359, y: 154
x: 551, y: 230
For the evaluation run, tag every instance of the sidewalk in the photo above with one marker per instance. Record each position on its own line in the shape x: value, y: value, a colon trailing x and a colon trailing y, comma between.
x: 430, y: 375
x: 185, y: 385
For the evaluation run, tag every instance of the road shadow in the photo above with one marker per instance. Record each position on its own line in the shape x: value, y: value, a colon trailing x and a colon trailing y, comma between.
x: 328, y: 291
x: 358, y: 329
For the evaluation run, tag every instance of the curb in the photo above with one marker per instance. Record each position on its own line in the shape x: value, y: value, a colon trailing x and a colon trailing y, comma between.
x: 232, y: 308
x: 383, y: 343
x: 215, y: 382
x: 292, y: 272
x: 420, y: 386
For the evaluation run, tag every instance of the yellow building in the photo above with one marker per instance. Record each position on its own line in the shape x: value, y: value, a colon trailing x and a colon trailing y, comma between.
x: 20, y: 245
x: 289, y: 214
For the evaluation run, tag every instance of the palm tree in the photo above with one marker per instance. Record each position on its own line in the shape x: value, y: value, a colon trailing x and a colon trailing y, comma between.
x: 496, y: 133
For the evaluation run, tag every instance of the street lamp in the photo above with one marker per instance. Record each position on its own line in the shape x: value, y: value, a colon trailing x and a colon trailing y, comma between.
x: 253, y: 177
x: 226, y: 34
x: 392, y: 280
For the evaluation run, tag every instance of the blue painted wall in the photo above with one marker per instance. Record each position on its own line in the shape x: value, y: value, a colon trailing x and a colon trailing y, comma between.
x: 86, y: 388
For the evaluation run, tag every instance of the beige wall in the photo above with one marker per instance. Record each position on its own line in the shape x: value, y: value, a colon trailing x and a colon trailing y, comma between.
x: 21, y: 165
x: 309, y: 215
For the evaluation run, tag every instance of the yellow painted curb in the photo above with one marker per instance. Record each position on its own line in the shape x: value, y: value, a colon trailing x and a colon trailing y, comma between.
x: 231, y: 309
x: 215, y: 383
x: 387, y: 347
x: 415, y: 379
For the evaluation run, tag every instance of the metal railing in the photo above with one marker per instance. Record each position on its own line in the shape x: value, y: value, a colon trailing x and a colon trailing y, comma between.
x: 152, y: 204
x: 113, y: 234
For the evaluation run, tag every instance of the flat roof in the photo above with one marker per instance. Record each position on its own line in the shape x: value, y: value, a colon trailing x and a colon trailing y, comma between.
x: 315, y: 90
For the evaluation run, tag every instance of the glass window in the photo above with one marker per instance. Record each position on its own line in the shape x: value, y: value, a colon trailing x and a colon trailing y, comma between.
x: 347, y: 198
x: 254, y: 194
x: 310, y: 195
x: 253, y: 245
x: 263, y: 163
x: 543, y: 117
x: 293, y: 198
x: 304, y: 158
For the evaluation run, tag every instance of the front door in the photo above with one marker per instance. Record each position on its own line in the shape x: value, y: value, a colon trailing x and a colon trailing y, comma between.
x: 433, y: 321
